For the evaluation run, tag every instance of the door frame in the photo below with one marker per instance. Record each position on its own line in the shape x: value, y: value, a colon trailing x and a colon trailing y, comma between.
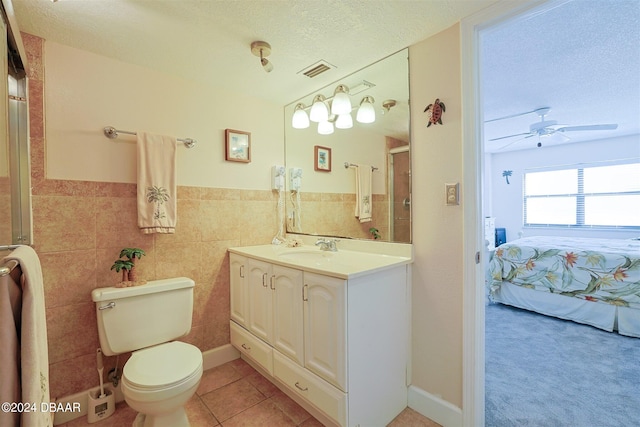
x: 473, y: 339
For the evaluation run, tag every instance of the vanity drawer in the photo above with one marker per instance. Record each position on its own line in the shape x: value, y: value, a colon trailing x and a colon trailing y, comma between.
x: 312, y: 388
x: 252, y: 347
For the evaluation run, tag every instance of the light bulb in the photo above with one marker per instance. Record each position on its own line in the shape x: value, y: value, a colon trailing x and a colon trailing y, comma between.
x: 325, y: 128
x: 319, y: 111
x: 344, y: 121
x: 366, y: 112
x: 268, y: 66
x: 300, y: 120
x: 341, y: 103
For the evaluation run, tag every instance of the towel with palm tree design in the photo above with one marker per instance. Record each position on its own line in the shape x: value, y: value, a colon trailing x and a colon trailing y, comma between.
x: 157, y: 208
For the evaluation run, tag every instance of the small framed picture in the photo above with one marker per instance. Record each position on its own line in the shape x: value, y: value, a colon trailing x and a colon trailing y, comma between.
x: 322, y: 159
x: 237, y: 146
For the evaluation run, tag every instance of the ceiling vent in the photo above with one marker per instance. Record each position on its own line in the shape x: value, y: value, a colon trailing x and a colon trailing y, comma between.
x: 317, y: 69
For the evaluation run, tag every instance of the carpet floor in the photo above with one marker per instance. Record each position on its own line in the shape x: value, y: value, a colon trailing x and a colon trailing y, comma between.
x: 547, y: 372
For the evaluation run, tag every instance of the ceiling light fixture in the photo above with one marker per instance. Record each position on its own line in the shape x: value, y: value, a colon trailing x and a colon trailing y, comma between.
x: 366, y: 112
x: 387, y: 104
x: 262, y: 49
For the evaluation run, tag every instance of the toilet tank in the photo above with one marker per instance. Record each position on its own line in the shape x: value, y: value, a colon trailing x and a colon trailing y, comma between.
x: 141, y: 316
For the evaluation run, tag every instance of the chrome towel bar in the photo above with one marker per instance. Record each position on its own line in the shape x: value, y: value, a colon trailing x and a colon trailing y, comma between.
x: 112, y: 133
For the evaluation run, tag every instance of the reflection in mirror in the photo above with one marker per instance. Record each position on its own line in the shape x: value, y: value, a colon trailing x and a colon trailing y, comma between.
x: 322, y: 198
x: 15, y: 195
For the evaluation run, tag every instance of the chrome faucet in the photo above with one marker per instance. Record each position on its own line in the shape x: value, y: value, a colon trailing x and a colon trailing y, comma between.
x: 327, y: 245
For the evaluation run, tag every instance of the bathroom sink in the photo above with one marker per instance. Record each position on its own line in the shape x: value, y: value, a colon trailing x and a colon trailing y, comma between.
x: 317, y: 256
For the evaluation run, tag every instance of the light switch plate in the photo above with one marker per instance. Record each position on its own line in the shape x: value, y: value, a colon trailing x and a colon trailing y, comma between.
x: 452, y: 194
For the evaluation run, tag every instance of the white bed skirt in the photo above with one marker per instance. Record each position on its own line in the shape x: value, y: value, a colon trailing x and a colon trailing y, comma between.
x: 604, y: 316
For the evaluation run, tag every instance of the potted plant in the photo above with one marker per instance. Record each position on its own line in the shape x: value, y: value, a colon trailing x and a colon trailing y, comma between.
x: 131, y: 254
x: 128, y: 267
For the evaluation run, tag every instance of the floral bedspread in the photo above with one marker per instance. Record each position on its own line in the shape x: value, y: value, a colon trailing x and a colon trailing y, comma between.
x: 606, y: 270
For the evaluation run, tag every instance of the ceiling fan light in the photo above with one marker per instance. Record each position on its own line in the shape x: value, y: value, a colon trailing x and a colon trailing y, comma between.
x: 300, y: 119
x: 341, y: 103
x: 325, y: 128
x: 319, y: 111
x: 366, y: 112
x: 344, y: 121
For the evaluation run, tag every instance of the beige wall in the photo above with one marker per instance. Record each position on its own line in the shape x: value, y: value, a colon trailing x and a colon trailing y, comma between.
x: 81, y: 223
x: 437, y: 228
x: 86, y: 92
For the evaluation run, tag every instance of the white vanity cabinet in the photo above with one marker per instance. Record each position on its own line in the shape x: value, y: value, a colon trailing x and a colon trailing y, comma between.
x: 337, y: 345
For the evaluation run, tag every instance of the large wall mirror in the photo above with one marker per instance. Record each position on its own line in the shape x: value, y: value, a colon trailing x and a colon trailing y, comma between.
x: 323, y: 159
x: 15, y: 195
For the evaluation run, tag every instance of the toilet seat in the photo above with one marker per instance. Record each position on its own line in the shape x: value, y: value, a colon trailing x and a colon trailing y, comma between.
x: 164, y: 366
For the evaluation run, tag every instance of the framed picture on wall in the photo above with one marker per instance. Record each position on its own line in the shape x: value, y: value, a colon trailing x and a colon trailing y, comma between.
x: 322, y: 159
x: 237, y: 146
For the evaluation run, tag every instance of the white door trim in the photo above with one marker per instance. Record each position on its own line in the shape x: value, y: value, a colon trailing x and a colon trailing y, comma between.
x: 473, y: 359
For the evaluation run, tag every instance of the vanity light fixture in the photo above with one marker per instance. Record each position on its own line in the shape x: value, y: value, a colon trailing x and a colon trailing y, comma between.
x: 341, y: 103
x: 319, y: 111
x: 366, y: 112
x: 262, y: 49
x: 300, y: 118
x: 335, y: 111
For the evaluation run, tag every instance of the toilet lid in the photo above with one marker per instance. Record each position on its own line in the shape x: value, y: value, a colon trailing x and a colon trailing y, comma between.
x: 162, y: 365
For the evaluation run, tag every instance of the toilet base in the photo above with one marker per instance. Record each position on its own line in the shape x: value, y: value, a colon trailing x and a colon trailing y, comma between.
x: 177, y: 418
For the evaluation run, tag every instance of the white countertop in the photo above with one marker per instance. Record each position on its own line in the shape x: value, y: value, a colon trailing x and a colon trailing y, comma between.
x: 344, y: 264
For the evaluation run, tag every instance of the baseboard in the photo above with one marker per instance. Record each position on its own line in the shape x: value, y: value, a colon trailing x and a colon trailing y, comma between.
x: 219, y: 356
x: 210, y: 359
x: 434, y: 408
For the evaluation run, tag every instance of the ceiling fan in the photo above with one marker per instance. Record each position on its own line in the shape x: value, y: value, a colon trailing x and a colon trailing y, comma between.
x: 545, y: 128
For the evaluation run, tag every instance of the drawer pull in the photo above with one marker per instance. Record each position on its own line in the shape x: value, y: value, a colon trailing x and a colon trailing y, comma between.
x: 246, y: 347
x: 264, y: 280
x: 299, y: 387
x: 242, y: 271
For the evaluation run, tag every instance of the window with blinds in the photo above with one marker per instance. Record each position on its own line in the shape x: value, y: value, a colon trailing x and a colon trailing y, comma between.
x: 583, y: 196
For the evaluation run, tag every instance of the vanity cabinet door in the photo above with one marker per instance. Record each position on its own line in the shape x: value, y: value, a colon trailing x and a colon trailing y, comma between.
x: 325, y: 341
x: 238, y: 288
x: 260, y: 301
x: 287, y: 312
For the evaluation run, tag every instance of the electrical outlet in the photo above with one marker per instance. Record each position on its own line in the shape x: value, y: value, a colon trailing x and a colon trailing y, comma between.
x: 452, y: 194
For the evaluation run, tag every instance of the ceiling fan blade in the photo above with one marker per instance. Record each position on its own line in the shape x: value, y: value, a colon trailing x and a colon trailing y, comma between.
x: 587, y: 127
x: 513, y: 142
x: 511, y: 136
x: 542, y: 110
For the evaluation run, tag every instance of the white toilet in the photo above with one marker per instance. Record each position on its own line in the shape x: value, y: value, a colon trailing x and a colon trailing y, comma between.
x: 161, y: 375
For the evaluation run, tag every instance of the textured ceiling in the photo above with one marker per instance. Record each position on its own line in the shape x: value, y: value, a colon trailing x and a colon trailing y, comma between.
x: 582, y: 58
x: 209, y: 41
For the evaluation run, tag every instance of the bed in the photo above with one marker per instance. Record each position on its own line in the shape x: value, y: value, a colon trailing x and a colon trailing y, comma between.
x: 590, y: 281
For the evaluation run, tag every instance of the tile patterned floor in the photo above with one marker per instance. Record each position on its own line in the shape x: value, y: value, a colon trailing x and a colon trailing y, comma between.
x: 234, y: 395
